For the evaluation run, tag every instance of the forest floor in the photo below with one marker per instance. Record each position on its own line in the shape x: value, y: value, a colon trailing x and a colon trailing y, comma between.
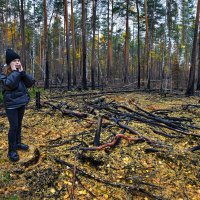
x: 105, y: 146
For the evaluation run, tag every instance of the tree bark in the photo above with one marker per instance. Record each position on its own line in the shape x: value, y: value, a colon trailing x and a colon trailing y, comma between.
x: 126, y: 49
x: 84, y: 78
x: 191, y: 81
x: 73, y: 45
x: 109, y: 53
x: 34, y: 43
x: 46, y: 63
x: 22, y: 26
x: 93, y: 61
x: 146, y: 40
x: 138, y: 52
x: 67, y: 45
x: 198, y: 80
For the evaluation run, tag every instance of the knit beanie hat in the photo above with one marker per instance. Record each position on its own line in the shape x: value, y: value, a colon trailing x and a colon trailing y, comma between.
x: 10, y: 56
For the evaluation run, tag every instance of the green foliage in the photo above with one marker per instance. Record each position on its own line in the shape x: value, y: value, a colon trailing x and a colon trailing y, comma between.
x: 1, y: 97
x: 13, y: 198
x: 58, y: 6
x: 4, y: 177
x: 32, y: 92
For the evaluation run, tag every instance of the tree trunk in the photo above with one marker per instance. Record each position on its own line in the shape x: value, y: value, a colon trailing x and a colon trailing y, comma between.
x: 191, y: 81
x: 93, y: 44
x: 73, y: 45
x: 46, y: 80
x: 138, y: 52
x: 98, y: 65
x: 198, y: 80
x: 126, y: 49
x: 84, y: 77
x: 169, y: 25
x: 162, y: 73
x: 146, y: 41
x: 33, y: 45
x: 22, y: 26
x: 67, y: 45
x: 3, y: 37
x: 109, y: 53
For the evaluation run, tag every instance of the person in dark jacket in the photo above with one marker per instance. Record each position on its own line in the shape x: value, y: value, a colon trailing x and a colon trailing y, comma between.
x: 15, y: 82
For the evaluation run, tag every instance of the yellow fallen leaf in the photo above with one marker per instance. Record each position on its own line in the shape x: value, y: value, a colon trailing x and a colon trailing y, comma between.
x: 82, y: 192
x: 52, y: 190
x: 67, y: 183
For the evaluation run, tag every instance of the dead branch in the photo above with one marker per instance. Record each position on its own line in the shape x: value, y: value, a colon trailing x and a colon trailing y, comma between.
x: 195, y: 148
x: 74, y: 113
x: 79, y: 181
x: 114, y: 184
x: 151, y: 150
x: 157, y: 121
x: 167, y: 135
x: 98, y: 132
x: 67, y: 111
x: 169, y: 123
x: 101, y: 147
x: 185, y: 107
x: 34, y: 159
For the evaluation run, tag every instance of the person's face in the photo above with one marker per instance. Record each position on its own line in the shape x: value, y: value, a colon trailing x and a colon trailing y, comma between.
x: 16, y: 63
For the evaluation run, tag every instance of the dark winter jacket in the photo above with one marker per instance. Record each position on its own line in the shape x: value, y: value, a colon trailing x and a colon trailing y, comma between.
x: 15, y: 86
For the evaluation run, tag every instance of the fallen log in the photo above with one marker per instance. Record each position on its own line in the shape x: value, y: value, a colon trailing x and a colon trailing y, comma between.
x: 169, y: 123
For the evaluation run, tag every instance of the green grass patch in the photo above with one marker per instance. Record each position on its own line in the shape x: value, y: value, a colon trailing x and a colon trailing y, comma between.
x: 32, y: 92
x: 4, y: 177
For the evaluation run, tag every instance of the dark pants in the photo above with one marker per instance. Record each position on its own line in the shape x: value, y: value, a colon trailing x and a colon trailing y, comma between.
x: 15, y: 117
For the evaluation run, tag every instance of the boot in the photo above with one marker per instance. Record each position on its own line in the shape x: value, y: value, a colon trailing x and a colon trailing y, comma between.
x: 21, y: 146
x: 12, y: 153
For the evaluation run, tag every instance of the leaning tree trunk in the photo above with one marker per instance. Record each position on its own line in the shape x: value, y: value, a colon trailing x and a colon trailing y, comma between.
x: 191, y: 81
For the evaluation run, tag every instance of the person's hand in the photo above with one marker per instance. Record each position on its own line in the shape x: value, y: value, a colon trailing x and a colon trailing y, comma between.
x: 13, y: 66
x: 20, y: 68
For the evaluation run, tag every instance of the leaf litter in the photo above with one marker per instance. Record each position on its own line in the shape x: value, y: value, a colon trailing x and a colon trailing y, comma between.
x: 64, y: 163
